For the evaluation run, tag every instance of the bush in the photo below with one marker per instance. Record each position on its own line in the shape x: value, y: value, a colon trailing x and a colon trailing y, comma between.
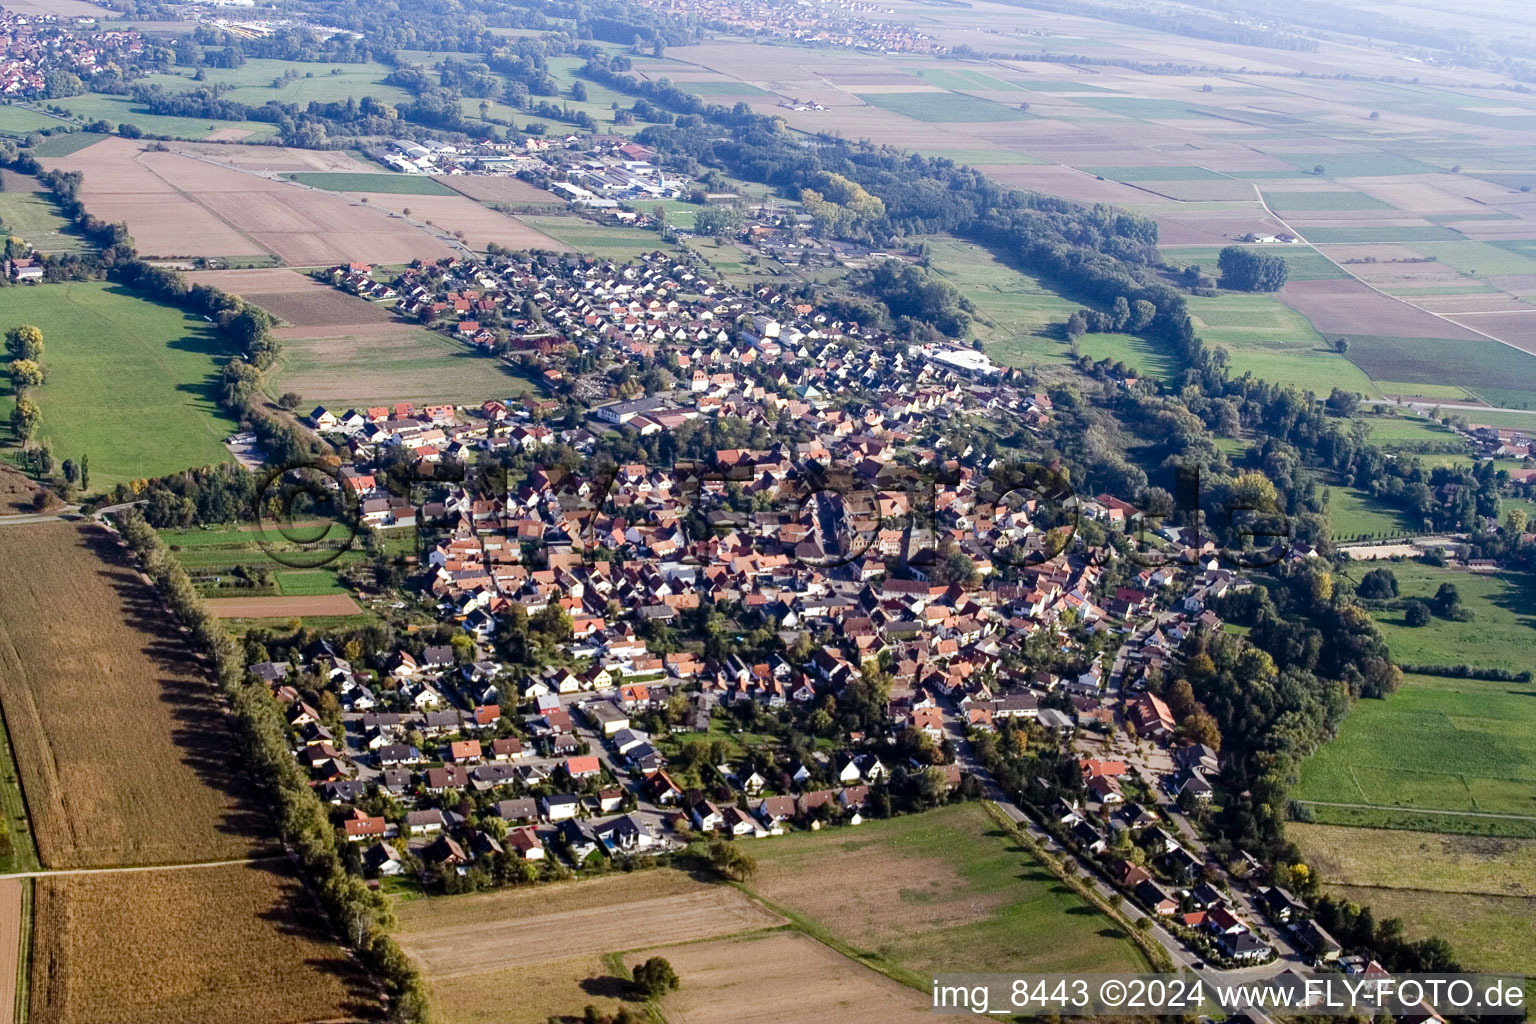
x: 1416, y: 614
x: 655, y: 977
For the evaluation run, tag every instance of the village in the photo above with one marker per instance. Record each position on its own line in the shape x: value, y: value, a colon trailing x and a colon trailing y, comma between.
x: 874, y: 549
x: 37, y: 49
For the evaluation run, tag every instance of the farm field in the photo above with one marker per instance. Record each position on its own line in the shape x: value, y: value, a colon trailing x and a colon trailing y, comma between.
x: 499, y: 188
x: 1264, y: 337
x: 612, y: 243
x: 299, y: 300
x: 1436, y: 747
x: 159, y: 786
x: 1478, y: 365
x: 1473, y: 891
x: 286, y: 607
x: 384, y: 183
x: 1303, y: 263
x: 475, y: 224
x: 473, y: 950
x: 944, y: 107
x: 373, y: 364
x: 19, y: 120
x: 238, y: 944
x: 790, y: 977
x: 934, y: 884
x: 179, y: 205
x: 121, y: 370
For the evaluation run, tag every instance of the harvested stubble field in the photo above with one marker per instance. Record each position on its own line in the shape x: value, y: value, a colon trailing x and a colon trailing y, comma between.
x: 476, y: 951
x: 124, y: 752
x: 455, y: 213
x: 234, y: 944
x: 178, y: 205
x: 283, y: 607
x: 498, y: 188
x: 11, y: 896
x: 780, y: 977
x: 298, y: 299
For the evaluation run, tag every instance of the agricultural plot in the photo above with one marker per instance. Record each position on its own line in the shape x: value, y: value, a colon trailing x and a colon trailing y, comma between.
x: 1481, y: 365
x: 123, y: 371
x: 610, y: 243
x: 387, y: 184
x: 20, y: 120
x: 1303, y: 263
x: 474, y: 951
x: 1473, y: 891
x: 1264, y: 337
x: 1447, y: 755
x: 945, y: 107
x: 1314, y: 200
x: 159, y: 784
x: 298, y: 607
x: 791, y: 978
x: 374, y: 364
x: 931, y: 886
x: 300, y: 301
x: 177, y: 205
x: 499, y: 188
x: 220, y: 945
x: 466, y: 219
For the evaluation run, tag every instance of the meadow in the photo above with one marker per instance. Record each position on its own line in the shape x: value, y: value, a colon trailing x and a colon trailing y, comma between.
x: 20, y: 120
x: 124, y: 749
x: 1475, y: 892
x: 1018, y: 315
x: 945, y: 107
x: 1440, y: 754
x: 1303, y: 263
x: 36, y: 217
x: 1499, y: 635
x: 130, y: 382
x: 1355, y: 515
x: 1267, y: 338
x: 252, y: 82
x: 217, y: 945
x: 124, y: 110
x: 605, y: 242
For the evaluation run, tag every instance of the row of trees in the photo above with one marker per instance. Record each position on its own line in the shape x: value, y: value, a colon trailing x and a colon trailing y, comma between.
x: 362, y: 916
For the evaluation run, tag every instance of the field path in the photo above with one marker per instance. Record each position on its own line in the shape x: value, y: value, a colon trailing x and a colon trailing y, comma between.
x: 1420, y: 810
x: 45, y: 873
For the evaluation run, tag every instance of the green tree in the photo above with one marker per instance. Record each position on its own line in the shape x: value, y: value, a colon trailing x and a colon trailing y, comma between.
x: 1248, y: 270
x: 1416, y: 614
x: 26, y: 373
x: 85, y: 471
x: 655, y: 977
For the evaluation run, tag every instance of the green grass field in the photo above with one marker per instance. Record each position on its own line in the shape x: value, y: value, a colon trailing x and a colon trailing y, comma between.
x: 945, y: 107
x: 615, y: 243
x: 66, y: 143
x: 251, y: 83
x: 1357, y: 165
x: 1023, y: 311
x: 130, y: 382
x: 1500, y: 635
x: 1480, y: 259
x: 1157, y: 173
x: 1303, y: 263
x: 1436, y: 745
x: 1267, y: 338
x: 724, y: 88
x: 1355, y: 515
x: 121, y: 109
x: 1138, y: 353
x: 950, y: 885
x: 36, y: 217
x: 1407, y: 432
x: 392, y: 184
x: 1380, y: 233
x: 19, y: 120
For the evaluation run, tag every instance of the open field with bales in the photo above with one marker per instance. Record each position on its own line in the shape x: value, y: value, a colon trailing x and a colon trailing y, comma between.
x: 234, y: 944
x: 158, y: 785
x: 123, y: 370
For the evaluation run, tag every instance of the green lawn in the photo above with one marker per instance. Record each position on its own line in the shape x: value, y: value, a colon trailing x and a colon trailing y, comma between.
x: 130, y: 382
x: 1437, y: 744
x: 945, y: 107
x: 393, y: 184
x: 1303, y: 263
x: 950, y: 890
